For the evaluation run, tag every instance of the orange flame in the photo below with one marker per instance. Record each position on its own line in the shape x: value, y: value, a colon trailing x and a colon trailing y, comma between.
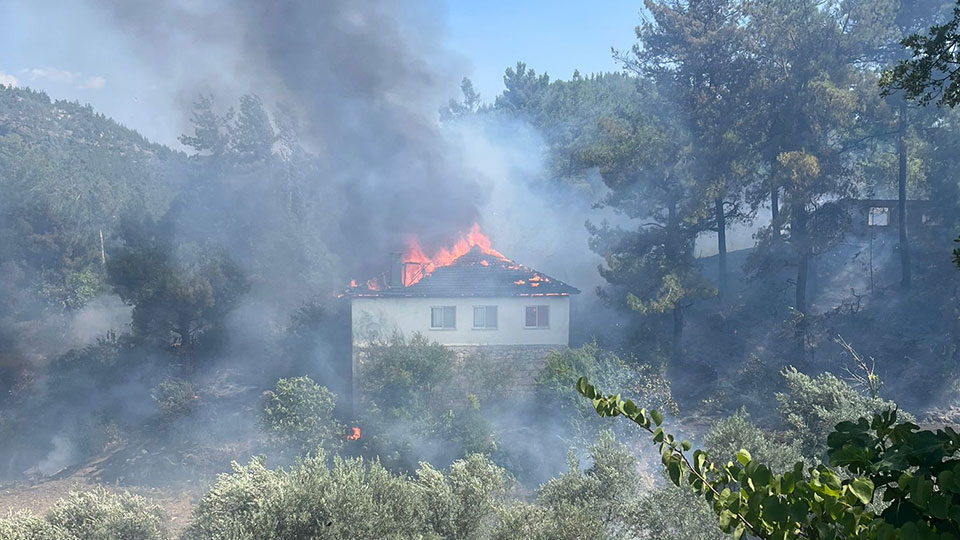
x: 354, y: 434
x: 423, y: 265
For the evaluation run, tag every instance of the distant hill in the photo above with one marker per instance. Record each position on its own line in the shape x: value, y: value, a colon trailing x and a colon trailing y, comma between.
x: 67, y: 175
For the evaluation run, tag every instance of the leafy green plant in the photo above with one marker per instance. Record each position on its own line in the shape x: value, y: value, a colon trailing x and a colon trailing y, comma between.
x: 349, y: 499
x: 90, y: 515
x: 175, y: 398
x: 812, y: 406
x: 913, y: 472
x: 298, y: 413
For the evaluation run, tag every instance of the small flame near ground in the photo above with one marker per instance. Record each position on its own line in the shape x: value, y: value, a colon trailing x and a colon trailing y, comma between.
x: 423, y: 265
x: 354, y: 434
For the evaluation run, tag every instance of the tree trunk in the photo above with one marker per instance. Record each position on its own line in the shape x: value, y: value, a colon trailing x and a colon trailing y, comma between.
x: 799, y: 239
x: 902, y: 197
x: 798, y: 236
x: 721, y: 248
x: 775, y: 210
x: 676, y: 346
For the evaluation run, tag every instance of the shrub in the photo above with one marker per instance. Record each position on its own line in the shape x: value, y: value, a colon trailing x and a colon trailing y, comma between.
x: 411, y: 398
x: 464, y: 504
x: 402, y: 378
x: 674, y: 513
x: 92, y: 515
x: 24, y: 526
x: 350, y: 499
x: 813, y: 406
x: 298, y: 413
x: 175, y: 398
x: 598, y: 502
x: 525, y: 521
x: 557, y: 381
x: 731, y: 434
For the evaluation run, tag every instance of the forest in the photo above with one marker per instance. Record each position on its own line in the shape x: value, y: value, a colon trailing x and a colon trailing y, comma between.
x: 761, y: 207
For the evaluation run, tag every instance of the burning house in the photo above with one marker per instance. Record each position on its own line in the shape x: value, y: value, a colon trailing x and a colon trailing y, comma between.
x: 469, y: 298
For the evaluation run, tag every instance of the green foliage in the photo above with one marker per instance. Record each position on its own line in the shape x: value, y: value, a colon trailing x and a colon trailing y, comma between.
x: 912, y: 469
x: 403, y: 378
x: 932, y: 72
x: 557, y: 380
x: 179, y: 295
x: 415, y: 392
x: 352, y: 499
x: 729, y: 435
x: 298, y: 413
x: 25, y: 526
x: 463, y: 504
x: 175, y: 398
x: 598, y: 502
x: 91, y: 515
x: 812, y: 406
x: 675, y: 513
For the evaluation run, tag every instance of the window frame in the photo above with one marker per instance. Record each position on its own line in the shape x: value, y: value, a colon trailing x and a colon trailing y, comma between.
x: 485, y: 308
x: 876, y: 212
x: 443, y: 311
x: 544, y: 308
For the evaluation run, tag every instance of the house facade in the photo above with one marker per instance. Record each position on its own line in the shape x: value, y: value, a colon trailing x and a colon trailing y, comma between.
x: 482, y: 302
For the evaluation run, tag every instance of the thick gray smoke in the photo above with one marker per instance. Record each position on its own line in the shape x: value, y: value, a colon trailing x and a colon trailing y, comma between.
x: 364, y: 80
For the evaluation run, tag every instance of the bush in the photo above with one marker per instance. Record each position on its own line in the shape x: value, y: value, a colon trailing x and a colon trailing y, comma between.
x: 298, y: 413
x: 813, y: 406
x: 175, y: 398
x: 91, y: 515
x: 598, y: 502
x: 350, y: 499
x: 674, y: 513
x: 24, y: 526
x: 411, y: 400
x: 731, y: 434
x: 525, y: 521
x: 464, y: 504
x: 557, y: 381
x: 403, y: 378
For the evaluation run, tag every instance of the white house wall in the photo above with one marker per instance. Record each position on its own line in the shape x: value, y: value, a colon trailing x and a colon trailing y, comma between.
x: 379, y: 318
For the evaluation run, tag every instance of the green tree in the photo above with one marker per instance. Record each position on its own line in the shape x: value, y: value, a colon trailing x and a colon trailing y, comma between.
x: 643, y: 157
x: 804, y: 89
x: 252, y: 137
x: 696, y: 52
x: 933, y: 72
x: 91, y: 515
x: 211, y: 131
x: 178, y: 295
x: 298, y: 413
x: 350, y: 499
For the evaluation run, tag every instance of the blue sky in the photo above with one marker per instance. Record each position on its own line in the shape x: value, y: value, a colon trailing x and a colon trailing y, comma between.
x: 71, y: 52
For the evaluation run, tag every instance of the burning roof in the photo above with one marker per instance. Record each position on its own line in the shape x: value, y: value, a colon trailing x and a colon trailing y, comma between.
x: 470, y: 268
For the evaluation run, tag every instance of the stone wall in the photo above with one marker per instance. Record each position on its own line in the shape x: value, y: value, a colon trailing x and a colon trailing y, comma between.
x: 485, y: 370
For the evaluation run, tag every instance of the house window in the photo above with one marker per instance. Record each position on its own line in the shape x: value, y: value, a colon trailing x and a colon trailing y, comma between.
x: 443, y: 318
x: 537, y: 317
x: 879, y: 216
x: 485, y: 317
x: 930, y: 220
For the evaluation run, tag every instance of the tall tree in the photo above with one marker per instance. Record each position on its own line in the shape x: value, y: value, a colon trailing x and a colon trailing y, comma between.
x: 696, y: 52
x: 806, y: 86
x: 643, y: 157
x: 876, y: 29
